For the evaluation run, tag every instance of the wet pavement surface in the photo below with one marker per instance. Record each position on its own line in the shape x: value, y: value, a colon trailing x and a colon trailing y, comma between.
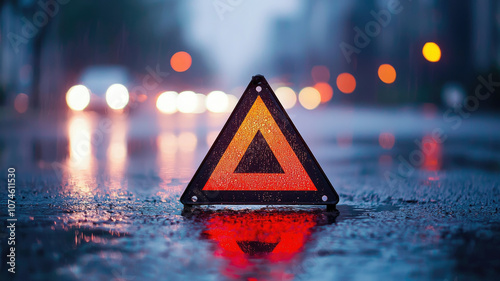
x: 97, y: 198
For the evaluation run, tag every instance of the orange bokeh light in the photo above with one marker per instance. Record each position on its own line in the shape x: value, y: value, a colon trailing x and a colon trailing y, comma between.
x: 142, y: 98
x: 320, y: 73
x: 387, y: 73
x: 181, y: 61
x: 346, y: 83
x: 386, y: 140
x: 325, y: 90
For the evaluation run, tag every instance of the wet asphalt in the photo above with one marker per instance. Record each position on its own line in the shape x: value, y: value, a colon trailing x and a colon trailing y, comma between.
x: 97, y: 198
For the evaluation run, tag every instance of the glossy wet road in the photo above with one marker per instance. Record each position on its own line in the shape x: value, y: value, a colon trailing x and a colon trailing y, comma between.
x: 97, y: 199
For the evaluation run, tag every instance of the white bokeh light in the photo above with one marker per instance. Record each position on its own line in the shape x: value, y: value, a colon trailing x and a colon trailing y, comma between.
x: 117, y: 96
x: 187, y: 102
x: 167, y: 102
x: 217, y: 101
x: 287, y: 97
x: 78, y: 97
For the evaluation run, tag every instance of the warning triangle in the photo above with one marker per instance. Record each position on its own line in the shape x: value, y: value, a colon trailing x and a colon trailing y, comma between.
x: 259, y: 158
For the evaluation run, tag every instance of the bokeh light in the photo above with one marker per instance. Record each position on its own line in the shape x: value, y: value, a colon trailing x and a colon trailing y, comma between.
x: 453, y: 94
x: 142, y: 98
x: 387, y: 73
x: 286, y: 96
x: 117, y: 96
x: 432, y: 154
x: 80, y: 147
x: 232, y: 101
x: 117, y: 152
x: 167, y: 142
x: 431, y: 52
x: 309, y: 98
x: 187, y: 141
x: 78, y: 97
x: 386, y: 140
x: 181, y: 61
x: 21, y: 103
x: 346, y: 83
x: 200, y: 103
x: 217, y: 102
x: 325, y: 91
x: 167, y: 102
x: 320, y: 73
x: 187, y: 102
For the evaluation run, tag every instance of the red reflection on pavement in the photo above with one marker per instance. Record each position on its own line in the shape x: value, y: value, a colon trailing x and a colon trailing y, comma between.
x: 247, y: 239
x: 432, y: 154
x: 432, y: 157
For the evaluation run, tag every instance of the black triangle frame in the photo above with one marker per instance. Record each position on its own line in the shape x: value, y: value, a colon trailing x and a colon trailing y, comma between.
x: 194, y: 193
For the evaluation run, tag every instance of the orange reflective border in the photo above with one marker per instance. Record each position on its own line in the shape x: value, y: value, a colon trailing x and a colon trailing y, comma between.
x: 301, y: 181
x: 259, y: 119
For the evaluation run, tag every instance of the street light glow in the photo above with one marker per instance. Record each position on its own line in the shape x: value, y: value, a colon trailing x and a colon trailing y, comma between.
x: 78, y: 97
x: 117, y: 96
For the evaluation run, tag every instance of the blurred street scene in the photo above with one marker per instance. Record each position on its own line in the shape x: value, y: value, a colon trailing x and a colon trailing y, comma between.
x: 107, y: 108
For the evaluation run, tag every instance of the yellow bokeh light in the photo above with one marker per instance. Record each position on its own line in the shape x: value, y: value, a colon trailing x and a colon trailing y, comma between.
x: 117, y: 96
x: 78, y: 97
x: 217, y: 101
x: 309, y: 98
x: 286, y: 96
x: 167, y: 102
x: 187, y: 102
x: 431, y: 52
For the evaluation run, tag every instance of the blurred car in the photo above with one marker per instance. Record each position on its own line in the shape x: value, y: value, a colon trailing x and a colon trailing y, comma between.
x: 101, y: 88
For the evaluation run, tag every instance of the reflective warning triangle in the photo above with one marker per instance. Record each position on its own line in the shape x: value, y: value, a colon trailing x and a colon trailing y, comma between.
x: 259, y: 158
